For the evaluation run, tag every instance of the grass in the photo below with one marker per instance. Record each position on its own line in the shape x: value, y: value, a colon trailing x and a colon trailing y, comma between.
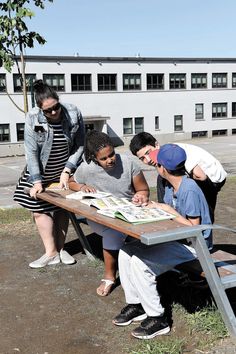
x: 202, y: 330
x: 14, y: 215
x: 170, y: 346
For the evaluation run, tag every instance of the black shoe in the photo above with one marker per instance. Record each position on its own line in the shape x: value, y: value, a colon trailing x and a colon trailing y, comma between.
x: 130, y: 313
x: 151, y: 327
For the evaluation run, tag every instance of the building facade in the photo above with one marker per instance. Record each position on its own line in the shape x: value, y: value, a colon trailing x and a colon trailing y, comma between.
x: 172, y: 98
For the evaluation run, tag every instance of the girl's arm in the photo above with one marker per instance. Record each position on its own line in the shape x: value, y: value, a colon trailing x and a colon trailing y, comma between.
x: 141, y: 188
x: 74, y: 186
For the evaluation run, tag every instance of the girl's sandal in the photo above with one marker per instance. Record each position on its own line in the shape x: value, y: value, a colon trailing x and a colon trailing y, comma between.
x: 106, y: 287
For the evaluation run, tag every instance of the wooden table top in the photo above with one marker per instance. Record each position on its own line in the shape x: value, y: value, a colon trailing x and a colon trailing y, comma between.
x: 75, y: 206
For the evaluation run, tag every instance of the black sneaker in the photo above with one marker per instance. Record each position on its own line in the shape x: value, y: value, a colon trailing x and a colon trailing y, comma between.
x: 151, y: 327
x: 130, y: 313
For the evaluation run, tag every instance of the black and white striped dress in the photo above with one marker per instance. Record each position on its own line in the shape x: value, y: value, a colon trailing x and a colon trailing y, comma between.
x: 56, y: 162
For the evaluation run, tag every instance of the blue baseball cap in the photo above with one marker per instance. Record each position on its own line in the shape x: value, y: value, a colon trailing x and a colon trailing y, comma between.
x: 171, y: 156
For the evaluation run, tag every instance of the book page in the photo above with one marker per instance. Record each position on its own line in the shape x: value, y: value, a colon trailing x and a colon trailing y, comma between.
x: 111, y: 203
x: 138, y: 215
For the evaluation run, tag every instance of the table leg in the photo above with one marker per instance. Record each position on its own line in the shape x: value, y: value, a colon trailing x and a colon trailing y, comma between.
x: 215, y: 283
x: 82, y: 238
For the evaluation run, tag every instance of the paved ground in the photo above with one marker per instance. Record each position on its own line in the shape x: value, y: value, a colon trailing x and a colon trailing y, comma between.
x: 223, y: 148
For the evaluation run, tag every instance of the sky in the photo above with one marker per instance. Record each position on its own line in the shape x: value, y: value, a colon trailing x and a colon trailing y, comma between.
x: 126, y: 28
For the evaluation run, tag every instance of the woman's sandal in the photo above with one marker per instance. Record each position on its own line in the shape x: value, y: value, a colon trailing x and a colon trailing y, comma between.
x: 106, y: 287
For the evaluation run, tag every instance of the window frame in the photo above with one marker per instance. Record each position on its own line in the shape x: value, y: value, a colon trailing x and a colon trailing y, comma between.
x: 157, y: 81
x: 233, y: 109
x: 201, y: 77
x: 157, y: 123
x: 175, y: 81
x: 132, y: 86
x: 19, y: 130
x: 109, y: 82
x: 176, y: 129
x: 128, y: 126
x: 83, y: 82
x: 219, y: 113
x: 234, y: 80
x: 219, y: 77
x: 48, y: 78
x: 18, y: 88
x: 3, y: 79
x: 4, y: 126
x: 199, y: 116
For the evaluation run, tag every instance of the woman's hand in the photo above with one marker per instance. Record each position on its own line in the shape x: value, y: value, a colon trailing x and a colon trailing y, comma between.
x: 64, y: 178
x: 37, y: 188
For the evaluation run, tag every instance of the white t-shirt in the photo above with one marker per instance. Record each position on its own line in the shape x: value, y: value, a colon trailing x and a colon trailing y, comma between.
x: 208, y: 163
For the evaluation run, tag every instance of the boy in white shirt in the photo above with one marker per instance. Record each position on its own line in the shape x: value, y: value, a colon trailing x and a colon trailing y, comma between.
x: 203, y: 167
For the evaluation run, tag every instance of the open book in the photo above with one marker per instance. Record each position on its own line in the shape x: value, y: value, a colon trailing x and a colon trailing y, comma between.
x: 106, y: 203
x: 87, y: 195
x: 137, y: 215
x: 121, y: 208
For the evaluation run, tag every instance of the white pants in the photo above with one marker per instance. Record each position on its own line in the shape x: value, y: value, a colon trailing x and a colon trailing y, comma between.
x: 139, y: 280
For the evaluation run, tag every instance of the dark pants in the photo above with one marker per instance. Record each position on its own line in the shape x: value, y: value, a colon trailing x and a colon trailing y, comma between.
x: 209, y: 189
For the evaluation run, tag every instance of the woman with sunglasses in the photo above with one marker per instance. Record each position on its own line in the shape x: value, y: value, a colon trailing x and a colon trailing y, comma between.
x: 54, y: 139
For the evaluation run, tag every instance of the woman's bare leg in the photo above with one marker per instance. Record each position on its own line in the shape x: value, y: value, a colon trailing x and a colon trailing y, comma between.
x: 45, y: 225
x: 110, y: 264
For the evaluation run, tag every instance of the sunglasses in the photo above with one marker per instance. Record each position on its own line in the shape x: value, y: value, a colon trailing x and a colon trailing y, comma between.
x: 54, y: 108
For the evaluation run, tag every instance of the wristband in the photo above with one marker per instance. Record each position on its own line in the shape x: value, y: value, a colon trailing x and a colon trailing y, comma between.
x: 67, y: 172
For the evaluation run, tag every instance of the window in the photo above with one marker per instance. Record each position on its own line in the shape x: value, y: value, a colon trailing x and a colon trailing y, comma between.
x: 4, y: 132
x: 127, y: 126
x: 20, y: 131
x: 106, y: 82
x: 155, y: 81
x: 131, y: 125
x: 177, y: 81
x: 17, y: 82
x: 81, y: 82
x: 138, y: 125
x: 178, y: 123
x: 233, y: 109
x: 2, y: 82
x: 157, y: 123
x: 56, y: 81
x: 88, y: 127
x: 219, y: 110
x: 219, y: 132
x: 199, y: 134
x: 131, y: 82
x: 198, y: 81
x: 219, y: 80
x: 199, y: 111
x: 233, y: 79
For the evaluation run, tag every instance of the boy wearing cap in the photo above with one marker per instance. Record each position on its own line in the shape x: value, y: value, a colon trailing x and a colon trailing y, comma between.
x: 139, y: 264
x: 204, y: 168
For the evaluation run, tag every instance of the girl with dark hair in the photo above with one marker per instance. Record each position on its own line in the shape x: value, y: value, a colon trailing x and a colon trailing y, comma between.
x: 106, y: 171
x: 54, y: 138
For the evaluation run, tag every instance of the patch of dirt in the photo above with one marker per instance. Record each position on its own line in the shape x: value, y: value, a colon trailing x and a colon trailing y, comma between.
x: 55, y: 310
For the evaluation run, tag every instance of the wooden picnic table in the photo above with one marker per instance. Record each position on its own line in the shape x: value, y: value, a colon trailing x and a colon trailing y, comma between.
x: 154, y: 233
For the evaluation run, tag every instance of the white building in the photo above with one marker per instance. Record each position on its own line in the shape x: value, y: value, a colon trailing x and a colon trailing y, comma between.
x: 172, y: 98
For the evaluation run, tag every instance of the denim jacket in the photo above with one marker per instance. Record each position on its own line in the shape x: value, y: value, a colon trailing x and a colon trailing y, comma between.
x: 38, y: 137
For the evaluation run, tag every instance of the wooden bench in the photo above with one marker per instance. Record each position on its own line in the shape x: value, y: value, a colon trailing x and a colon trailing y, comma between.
x: 225, y: 263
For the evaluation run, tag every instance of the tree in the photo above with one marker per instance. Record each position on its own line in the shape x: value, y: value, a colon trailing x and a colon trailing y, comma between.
x: 15, y: 38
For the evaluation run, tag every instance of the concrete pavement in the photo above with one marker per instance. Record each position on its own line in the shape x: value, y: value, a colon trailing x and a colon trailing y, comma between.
x: 223, y: 148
